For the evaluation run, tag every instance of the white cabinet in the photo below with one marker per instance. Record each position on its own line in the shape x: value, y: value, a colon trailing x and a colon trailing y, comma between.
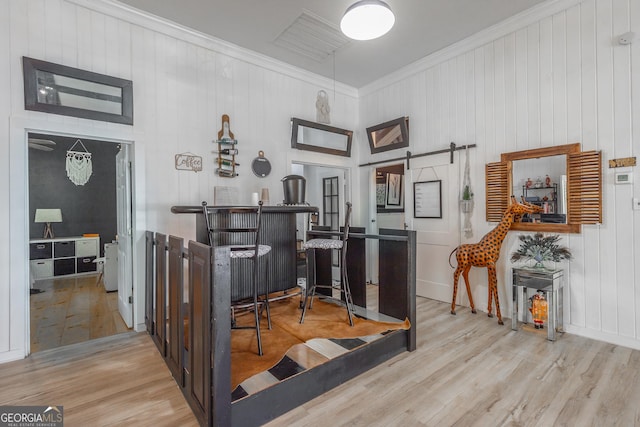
x: 110, y: 277
x: 87, y: 247
x: 42, y: 268
x: 63, y: 256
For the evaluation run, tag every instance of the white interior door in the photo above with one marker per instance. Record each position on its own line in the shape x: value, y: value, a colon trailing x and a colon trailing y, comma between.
x: 436, y: 237
x: 125, y: 267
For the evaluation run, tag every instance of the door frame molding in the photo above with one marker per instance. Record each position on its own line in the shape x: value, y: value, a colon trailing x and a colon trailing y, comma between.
x: 372, y: 228
x: 19, y: 128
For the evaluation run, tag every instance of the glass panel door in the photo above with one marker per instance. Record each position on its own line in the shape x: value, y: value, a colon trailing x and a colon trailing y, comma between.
x: 331, y: 208
x: 330, y: 204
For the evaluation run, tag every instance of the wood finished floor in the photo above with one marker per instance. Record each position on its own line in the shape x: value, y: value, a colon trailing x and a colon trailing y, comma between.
x: 114, y: 381
x: 72, y: 310
x: 467, y: 370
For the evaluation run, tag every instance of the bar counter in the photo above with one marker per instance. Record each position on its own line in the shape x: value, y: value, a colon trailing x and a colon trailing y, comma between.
x: 278, y: 231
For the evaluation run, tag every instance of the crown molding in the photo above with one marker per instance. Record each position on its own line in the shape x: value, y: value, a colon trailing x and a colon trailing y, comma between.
x: 169, y: 28
x: 135, y: 16
x: 501, y: 29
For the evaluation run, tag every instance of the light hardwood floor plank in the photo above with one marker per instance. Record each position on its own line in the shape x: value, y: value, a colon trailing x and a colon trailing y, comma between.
x: 118, y: 380
x: 72, y: 310
x: 469, y: 371
x: 466, y: 371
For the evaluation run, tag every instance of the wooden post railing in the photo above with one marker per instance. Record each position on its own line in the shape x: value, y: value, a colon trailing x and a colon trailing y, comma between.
x: 194, y: 335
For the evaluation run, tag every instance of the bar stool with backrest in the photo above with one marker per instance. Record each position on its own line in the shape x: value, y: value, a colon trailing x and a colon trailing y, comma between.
x: 330, y: 244
x: 241, y: 234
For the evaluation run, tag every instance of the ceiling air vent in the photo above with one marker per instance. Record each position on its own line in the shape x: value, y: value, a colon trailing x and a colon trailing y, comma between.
x: 311, y: 36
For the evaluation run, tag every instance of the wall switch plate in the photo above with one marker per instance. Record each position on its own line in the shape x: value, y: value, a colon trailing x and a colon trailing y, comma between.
x: 623, y: 178
x: 636, y: 204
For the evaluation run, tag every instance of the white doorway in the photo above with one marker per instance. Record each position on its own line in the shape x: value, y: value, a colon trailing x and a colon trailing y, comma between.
x: 387, y: 210
x: 435, y: 237
x: 86, y: 208
x: 331, y: 213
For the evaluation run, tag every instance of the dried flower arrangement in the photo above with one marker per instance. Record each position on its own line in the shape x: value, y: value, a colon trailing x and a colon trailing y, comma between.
x: 540, y: 248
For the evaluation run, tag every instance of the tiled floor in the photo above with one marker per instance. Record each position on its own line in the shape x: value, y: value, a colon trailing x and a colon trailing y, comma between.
x: 313, y: 352
x: 72, y: 310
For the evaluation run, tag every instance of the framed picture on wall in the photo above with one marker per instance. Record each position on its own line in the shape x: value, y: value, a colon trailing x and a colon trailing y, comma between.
x: 394, y: 189
x: 427, y: 199
x: 389, y: 135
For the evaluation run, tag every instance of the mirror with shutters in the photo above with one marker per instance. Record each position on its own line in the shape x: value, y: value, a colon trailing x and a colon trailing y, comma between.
x: 568, y: 200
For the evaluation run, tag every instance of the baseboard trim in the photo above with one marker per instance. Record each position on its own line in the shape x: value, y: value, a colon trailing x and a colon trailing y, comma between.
x: 10, y: 356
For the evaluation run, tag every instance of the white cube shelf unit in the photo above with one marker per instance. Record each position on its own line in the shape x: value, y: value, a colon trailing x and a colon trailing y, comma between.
x: 63, y: 256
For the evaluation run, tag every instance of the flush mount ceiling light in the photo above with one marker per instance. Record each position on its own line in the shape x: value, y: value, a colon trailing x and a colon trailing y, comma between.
x: 367, y: 20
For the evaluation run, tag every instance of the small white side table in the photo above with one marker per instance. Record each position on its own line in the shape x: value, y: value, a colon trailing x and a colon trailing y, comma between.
x: 551, y: 283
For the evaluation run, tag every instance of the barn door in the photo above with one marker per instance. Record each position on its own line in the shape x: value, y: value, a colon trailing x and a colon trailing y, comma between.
x: 436, y: 237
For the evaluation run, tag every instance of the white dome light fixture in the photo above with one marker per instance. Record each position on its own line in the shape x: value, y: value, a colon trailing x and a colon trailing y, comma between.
x: 367, y: 20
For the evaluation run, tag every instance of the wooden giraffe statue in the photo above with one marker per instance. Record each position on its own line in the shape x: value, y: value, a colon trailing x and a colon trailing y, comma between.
x: 485, y: 253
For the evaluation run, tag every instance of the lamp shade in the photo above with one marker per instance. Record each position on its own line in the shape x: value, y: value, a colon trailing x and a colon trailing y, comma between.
x: 48, y: 215
x: 367, y: 20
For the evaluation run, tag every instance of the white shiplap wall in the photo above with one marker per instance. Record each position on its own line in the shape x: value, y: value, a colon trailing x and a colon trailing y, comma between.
x: 183, y: 83
x: 557, y: 79
x: 526, y: 83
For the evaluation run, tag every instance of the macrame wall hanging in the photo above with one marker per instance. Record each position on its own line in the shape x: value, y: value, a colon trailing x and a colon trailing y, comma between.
x: 79, y: 166
x: 466, y: 202
x: 323, y: 111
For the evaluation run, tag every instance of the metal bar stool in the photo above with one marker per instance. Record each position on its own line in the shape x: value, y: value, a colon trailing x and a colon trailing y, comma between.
x: 330, y: 244
x: 243, y: 229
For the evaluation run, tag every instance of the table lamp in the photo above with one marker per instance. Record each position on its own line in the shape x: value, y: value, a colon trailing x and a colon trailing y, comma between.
x: 48, y: 216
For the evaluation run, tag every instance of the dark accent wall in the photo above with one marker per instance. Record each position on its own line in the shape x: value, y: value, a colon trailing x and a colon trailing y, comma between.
x: 89, y: 208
